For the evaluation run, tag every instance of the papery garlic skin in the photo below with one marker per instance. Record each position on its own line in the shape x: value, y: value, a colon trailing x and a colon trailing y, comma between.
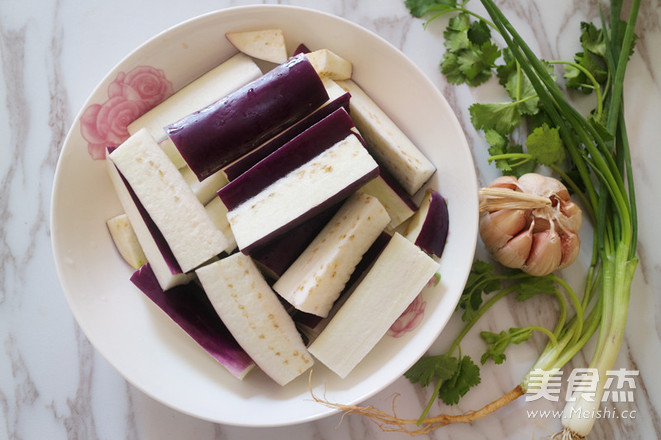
x: 530, y: 223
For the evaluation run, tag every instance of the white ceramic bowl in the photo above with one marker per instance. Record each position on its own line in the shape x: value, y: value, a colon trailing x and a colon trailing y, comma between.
x: 149, y: 350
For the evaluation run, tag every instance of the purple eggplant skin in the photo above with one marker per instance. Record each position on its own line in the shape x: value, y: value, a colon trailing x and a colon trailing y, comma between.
x: 390, y: 180
x: 222, y: 132
x: 294, y: 154
x: 189, y: 307
x: 276, y: 256
x: 301, y: 48
x: 434, y: 232
x: 240, y: 166
x: 156, y: 234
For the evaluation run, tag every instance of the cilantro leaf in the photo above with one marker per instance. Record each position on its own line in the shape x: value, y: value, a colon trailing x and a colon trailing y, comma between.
x: 419, y: 8
x: 593, y: 39
x: 545, y: 145
x: 430, y: 368
x: 598, y: 124
x: 498, y: 342
x: 533, y: 286
x: 502, y: 117
x: 517, y: 84
x: 592, y: 58
x: 500, y: 145
x: 476, y: 63
x: 479, y: 32
x: 470, y: 55
x: 466, y: 376
x: 480, y: 281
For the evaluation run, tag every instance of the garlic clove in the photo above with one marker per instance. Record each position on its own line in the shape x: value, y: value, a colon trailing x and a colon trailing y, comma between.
x: 572, y: 217
x: 545, y: 254
x: 498, y: 227
x: 543, y: 186
x: 508, y: 182
x: 571, y: 245
x: 515, y: 252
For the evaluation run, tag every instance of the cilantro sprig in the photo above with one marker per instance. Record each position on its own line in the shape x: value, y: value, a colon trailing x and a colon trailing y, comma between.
x: 454, y: 374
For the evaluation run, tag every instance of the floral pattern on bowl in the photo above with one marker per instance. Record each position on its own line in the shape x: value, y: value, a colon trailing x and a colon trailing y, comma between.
x: 130, y: 95
x: 410, y: 319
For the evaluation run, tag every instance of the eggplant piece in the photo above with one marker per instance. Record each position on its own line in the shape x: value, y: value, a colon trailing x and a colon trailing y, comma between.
x: 255, y: 316
x: 295, y: 153
x: 387, y: 142
x: 156, y: 249
x: 215, y: 136
x: 301, y: 48
x: 243, y: 164
x: 265, y: 44
x: 126, y: 241
x: 392, y: 283
x: 428, y: 227
x: 315, y: 280
x: 206, y: 190
x: 398, y: 203
x: 189, y: 307
x: 311, y: 325
x: 218, y: 214
x: 275, y: 257
x: 169, y: 201
x: 168, y: 146
x: 325, y: 180
x: 217, y: 83
x: 328, y: 64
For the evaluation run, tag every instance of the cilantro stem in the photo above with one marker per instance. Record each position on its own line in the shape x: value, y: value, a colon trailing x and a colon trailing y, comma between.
x: 510, y: 156
x: 519, y: 81
x: 481, y: 311
x: 442, y: 10
x: 553, y: 340
x: 432, y: 399
x: 594, y: 84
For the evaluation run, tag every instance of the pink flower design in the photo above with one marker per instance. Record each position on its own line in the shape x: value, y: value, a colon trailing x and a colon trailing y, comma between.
x: 130, y: 95
x: 410, y: 319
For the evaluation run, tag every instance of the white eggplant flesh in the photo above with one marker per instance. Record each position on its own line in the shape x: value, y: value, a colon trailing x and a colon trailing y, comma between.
x: 255, y: 316
x: 399, y: 206
x: 167, y: 278
x: 217, y: 83
x: 171, y: 150
x: 333, y: 89
x: 396, y: 278
x: 387, y: 142
x: 169, y: 201
x: 302, y: 192
x: 218, y: 213
x: 207, y: 189
x: 126, y: 242
x: 265, y: 44
x: 330, y: 65
x: 317, y: 277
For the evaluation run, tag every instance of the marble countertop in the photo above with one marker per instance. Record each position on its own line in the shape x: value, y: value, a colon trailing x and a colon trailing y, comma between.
x: 53, y: 384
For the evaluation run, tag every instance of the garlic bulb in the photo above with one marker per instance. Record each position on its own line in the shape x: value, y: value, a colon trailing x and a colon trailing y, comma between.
x: 530, y: 223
